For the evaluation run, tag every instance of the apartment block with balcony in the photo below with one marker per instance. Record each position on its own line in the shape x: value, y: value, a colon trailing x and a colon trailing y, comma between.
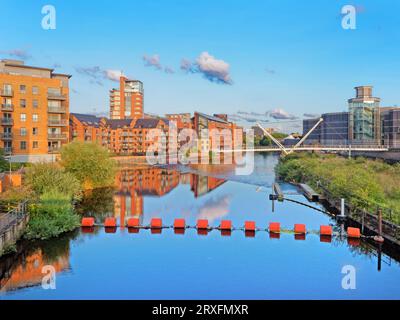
x: 127, y: 101
x: 34, y: 111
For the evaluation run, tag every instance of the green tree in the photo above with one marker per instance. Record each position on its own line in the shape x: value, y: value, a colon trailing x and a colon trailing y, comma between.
x: 90, y: 163
x: 50, y: 177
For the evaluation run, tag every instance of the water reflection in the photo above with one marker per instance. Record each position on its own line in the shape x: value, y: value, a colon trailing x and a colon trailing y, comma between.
x: 266, y: 263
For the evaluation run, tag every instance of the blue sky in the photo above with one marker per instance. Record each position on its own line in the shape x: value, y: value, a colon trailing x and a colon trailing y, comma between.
x: 282, y: 54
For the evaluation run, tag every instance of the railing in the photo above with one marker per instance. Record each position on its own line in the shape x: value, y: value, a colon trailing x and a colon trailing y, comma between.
x: 57, y: 136
x: 57, y: 109
x: 7, y: 121
x: 61, y: 122
x: 7, y: 107
x: 6, y: 135
x: 56, y: 96
x: 54, y: 149
x: 12, y: 217
x: 6, y: 93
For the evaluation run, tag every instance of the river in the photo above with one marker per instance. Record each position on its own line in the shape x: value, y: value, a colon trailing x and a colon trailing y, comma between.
x: 149, y: 265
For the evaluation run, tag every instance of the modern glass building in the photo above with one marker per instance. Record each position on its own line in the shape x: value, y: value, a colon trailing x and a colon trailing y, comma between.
x: 364, y: 117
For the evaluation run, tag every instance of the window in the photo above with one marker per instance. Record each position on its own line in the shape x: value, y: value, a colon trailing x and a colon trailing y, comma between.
x: 22, y: 103
x: 35, y: 103
x: 35, y: 131
x: 23, y: 117
x: 35, y: 90
x: 23, y: 145
x: 22, y: 88
x: 22, y: 132
x: 35, y: 117
x: 35, y: 144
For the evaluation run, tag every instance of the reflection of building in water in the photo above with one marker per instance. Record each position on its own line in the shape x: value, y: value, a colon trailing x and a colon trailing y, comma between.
x: 28, y: 271
x: 202, y: 184
x: 133, y: 184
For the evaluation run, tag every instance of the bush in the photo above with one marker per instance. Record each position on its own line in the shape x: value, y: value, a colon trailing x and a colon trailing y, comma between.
x: 48, y: 177
x: 365, y: 184
x: 90, y: 163
x: 51, y: 216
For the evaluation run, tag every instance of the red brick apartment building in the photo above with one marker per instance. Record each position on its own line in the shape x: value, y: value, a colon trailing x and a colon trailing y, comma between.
x: 34, y: 111
x: 127, y: 101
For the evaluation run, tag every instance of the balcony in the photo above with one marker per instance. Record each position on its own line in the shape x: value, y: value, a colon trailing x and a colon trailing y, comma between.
x: 8, y: 150
x: 57, y: 122
x: 6, y: 136
x: 7, y: 107
x: 57, y: 136
x: 56, y: 109
x: 54, y: 149
x: 56, y: 96
x: 6, y: 93
x: 7, y: 121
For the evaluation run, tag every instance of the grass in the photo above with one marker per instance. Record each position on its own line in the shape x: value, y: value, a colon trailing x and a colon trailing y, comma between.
x: 365, y: 184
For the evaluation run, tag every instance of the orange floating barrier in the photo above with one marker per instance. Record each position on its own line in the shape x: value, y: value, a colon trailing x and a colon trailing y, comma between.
x: 226, y: 233
x: 353, y: 232
x: 250, y: 226
x: 226, y: 225
x: 87, y: 222
x: 133, y: 223
x: 156, y: 223
x: 179, y: 223
x: 300, y: 228
x: 133, y: 230
x: 325, y: 230
x: 110, y: 222
x: 275, y: 227
x: 202, y: 224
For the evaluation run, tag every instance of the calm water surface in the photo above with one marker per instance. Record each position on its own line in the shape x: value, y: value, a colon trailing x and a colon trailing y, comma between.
x: 144, y: 265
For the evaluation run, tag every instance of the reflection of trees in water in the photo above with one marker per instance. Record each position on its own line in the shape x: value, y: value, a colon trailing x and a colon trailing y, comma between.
x: 97, y: 203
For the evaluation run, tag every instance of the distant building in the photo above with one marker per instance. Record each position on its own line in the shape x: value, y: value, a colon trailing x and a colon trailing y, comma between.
x: 332, y: 131
x: 364, y: 117
x: 259, y: 133
x: 127, y: 101
x: 390, y: 119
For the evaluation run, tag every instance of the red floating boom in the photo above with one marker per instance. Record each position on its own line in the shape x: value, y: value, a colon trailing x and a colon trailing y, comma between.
x: 250, y: 226
x: 275, y: 227
x: 300, y: 228
x: 110, y: 222
x: 179, y: 223
x: 156, y: 223
x: 133, y: 223
x: 325, y: 231
x: 87, y: 222
x: 226, y: 225
x: 353, y: 232
x: 202, y: 224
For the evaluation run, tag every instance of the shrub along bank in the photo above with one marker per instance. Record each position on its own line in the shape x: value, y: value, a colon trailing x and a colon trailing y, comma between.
x: 53, y: 188
x: 365, y: 184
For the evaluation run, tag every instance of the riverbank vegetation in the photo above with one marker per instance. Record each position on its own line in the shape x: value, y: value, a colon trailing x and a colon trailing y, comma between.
x: 266, y: 141
x: 365, y: 184
x: 53, y: 188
